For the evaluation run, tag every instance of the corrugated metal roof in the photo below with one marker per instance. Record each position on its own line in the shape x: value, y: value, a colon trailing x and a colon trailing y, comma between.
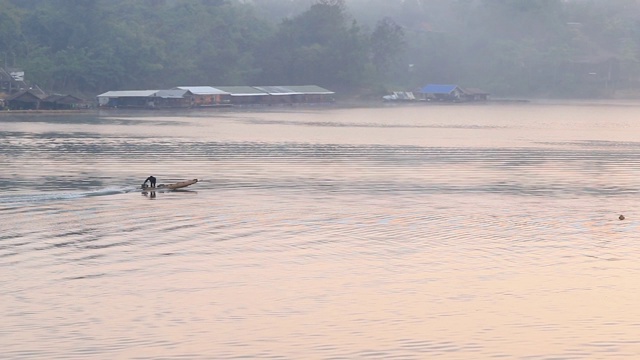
x: 53, y: 98
x: 25, y: 95
x: 277, y: 90
x: 310, y: 89
x: 63, y: 99
x: 129, y: 93
x: 438, y: 89
x: 474, y: 91
x: 242, y: 91
x: 172, y: 94
x: 202, y: 90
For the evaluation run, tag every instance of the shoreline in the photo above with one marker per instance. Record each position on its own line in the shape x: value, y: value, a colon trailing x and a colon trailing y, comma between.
x: 45, y: 112
x: 336, y: 105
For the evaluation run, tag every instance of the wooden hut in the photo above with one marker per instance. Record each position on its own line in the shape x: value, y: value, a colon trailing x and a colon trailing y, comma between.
x: 62, y: 102
x: 24, y: 100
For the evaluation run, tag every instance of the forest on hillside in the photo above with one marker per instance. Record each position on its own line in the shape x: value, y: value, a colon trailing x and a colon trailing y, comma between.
x: 544, y: 48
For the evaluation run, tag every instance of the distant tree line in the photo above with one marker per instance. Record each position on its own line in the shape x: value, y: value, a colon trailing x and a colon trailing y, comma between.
x: 565, y: 48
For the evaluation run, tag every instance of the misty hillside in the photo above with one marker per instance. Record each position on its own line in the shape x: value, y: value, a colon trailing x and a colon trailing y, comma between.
x: 550, y: 48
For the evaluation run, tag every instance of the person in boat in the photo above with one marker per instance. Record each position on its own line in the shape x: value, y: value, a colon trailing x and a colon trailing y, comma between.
x: 152, y: 182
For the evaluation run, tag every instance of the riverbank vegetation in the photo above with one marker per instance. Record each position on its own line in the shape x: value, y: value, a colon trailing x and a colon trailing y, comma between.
x: 545, y: 48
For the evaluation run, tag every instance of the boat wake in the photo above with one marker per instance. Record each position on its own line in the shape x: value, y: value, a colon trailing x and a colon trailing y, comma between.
x: 24, y: 199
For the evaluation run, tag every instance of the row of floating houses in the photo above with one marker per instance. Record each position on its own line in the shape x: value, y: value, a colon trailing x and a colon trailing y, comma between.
x: 220, y: 96
x: 438, y: 92
x: 175, y: 98
x: 207, y: 96
x: 224, y: 96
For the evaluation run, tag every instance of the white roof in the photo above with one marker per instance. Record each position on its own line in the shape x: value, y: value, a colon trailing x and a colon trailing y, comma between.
x: 129, y: 93
x: 277, y: 90
x: 203, y: 90
x: 254, y: 94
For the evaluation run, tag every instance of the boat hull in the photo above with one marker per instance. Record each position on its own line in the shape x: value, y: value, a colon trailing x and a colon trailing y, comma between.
x: 178, y: 185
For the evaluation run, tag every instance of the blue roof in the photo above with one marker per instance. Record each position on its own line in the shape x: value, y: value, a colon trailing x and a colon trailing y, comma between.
x: 438, y: 89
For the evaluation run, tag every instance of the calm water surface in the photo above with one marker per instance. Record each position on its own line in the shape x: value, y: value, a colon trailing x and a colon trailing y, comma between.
x: 448, y: 232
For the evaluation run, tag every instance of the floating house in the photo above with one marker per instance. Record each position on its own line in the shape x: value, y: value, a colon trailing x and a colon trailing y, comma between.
x: 147, y: 99
x: 311, y: 94
x: 174, y: 98
x: 279, y: 94
x: 207, y: 96
x: 437, y: 92
x: 220, y: 96
x: 245, y: 95
x: 452, y: 93
x: 132, y: 99
x: 267, y: 95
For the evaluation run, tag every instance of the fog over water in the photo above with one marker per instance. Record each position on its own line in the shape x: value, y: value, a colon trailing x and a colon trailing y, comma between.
x: 359, y: 49
x: 449, y: 232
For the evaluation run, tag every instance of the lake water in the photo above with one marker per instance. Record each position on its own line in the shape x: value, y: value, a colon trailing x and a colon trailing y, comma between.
x: 448, y: 232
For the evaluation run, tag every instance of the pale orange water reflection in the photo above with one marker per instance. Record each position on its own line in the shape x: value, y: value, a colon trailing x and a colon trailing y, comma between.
x: 453, y: 232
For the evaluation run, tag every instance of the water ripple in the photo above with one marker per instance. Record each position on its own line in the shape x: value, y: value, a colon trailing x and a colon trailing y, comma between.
x: 337, y: 235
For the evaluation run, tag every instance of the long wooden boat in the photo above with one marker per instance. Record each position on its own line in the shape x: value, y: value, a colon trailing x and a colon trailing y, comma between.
x: 178, y: 185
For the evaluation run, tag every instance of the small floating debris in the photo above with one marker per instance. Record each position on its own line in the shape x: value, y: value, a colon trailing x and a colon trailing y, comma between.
x: 621, y: 217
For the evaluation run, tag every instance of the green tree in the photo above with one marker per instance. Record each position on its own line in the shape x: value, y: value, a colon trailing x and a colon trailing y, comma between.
x: 9, y: 34
x: 387, y: 48
x: 320, y: 46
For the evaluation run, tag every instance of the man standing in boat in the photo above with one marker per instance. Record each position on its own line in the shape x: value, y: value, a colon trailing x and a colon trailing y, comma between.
x: 152, y: 182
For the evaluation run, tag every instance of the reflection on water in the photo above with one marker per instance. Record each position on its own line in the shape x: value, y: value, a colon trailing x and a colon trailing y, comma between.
x: 458, y: 232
